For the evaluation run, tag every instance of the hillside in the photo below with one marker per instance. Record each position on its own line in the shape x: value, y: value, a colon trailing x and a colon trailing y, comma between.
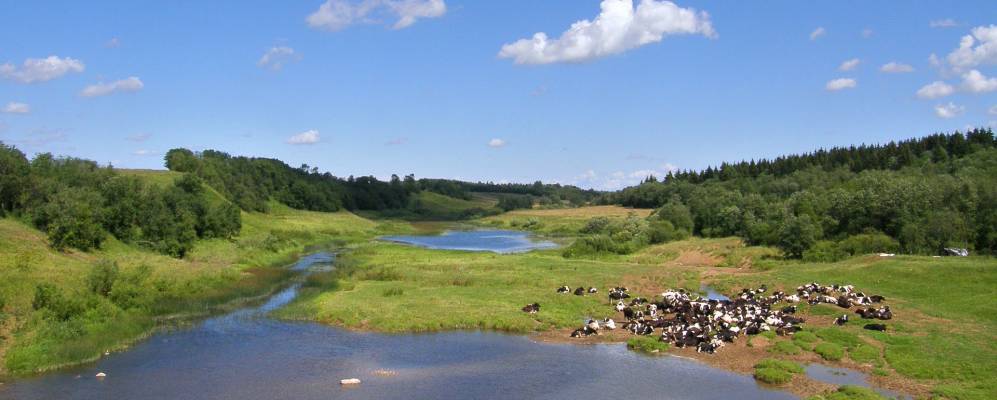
x: 79, y: 324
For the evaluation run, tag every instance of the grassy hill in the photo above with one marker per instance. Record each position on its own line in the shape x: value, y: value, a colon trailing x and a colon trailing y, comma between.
x: 158, y: 287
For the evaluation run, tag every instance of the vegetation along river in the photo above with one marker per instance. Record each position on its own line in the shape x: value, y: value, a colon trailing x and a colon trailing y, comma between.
x: 247, y: 355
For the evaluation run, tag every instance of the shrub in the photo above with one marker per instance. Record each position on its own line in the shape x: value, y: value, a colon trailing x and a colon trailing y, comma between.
x: 798, y: 234
x: 648, y: 345
x: 830, y: 351
x: 664, y: 231
x: 677, y: 214
x: 101, y: 278
x: 824, y: 251
x: 868, y: 243
x: 595, y: 225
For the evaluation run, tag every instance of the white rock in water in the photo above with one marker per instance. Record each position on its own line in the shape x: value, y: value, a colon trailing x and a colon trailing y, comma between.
x: 351, y: 381
x: 101, y: 374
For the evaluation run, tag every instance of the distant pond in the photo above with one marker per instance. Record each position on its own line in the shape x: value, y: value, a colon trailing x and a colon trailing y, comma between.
x: 494, y: 240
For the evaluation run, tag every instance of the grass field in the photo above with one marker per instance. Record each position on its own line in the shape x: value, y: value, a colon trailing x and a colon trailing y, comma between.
x: 217, y: 271
x: 558, y: 221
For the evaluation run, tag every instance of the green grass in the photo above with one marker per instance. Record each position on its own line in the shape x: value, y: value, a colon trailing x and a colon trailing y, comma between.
x: 476, y: 290
x: 776, y: 372
x: 829, y: 351
x: 784, y: 347
x: 430, y: 206
x: 559, y: 221
x: 849, y: 392
x: 647, y: 345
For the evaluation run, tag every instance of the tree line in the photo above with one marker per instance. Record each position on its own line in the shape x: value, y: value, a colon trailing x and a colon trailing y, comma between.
x: 78, y: 204
x: 915, y: 196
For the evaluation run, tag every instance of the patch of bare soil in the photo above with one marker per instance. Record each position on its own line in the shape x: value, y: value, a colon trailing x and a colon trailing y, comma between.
x: 695, y: 258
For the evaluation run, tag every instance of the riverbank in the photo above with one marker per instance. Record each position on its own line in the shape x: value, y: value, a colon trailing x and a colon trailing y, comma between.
x: 151, y: 290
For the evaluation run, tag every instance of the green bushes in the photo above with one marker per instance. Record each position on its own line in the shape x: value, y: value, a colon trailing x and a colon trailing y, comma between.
x: 101, y: 278
x: 625, y: 236
x: 829, y: 351
x: 647, y: 345
x: 869, y: 243
x: 824, y: 251
x: 776, y: 372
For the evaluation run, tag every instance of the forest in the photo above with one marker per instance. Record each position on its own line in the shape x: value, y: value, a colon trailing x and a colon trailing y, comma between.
x: 79, y: 203
x: 915, y: 196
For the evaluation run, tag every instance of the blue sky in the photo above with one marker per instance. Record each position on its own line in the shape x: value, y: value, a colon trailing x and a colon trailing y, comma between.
x: 439, y: 88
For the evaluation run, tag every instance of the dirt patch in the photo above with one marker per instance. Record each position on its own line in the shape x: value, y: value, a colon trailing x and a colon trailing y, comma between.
x: 696, y: 258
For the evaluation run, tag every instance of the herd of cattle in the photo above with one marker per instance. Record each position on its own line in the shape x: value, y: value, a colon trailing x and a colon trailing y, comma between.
x: 687, y: 320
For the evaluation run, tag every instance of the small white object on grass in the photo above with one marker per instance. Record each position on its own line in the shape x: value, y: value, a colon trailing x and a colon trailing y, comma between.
x: 351, y: 381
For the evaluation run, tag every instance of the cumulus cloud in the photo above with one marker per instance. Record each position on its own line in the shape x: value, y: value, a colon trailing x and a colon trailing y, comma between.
x: 975, y: 82
x: 618, y: 27
x: 992, y: 110
x: 16, y: 108
x: 849, y: 65
x: 112, y: 43
x: 820, y: 31
x: 276, y: 56
x: 334, y: 15
x: 943, y: 23
x: 41, y: 69
x: 935, y: 90
x: 130, y: 84
x: 620, y: 179
x: 308, y: 137
x: 840, y: 84
x: 894, y: 67
x: 496, y: 143
x: 950, y: 110
x: 977, y: 48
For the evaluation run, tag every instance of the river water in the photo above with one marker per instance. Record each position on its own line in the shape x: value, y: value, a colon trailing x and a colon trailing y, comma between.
x: 246, y: 355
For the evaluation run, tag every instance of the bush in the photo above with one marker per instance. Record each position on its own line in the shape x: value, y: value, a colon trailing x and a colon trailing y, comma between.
x: 824, y: 251
x: 72, y: 219
x: 869, y: 243
x: 595, y: 225
x: 677, y: 214
x: 797, y: 234
x: 647, y: 344
x: 664, y: 232
x: 101, y: 278
x: 830, y: 351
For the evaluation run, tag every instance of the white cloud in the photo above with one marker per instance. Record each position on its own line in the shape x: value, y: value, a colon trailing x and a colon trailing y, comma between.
x: 935, y: 90
x: 619, y: 179
x: 992, y: 110
x: 950, y: 110
x: 141, y: 152
x: 130, y: 84
x: 975, y: 82
x: 308, y: 137
x: 849, y: 65
x: 16, y: 108
x: 840, y: 84
x: 276, y: 57
x: 979, y: 48
x: 894, y: 67
x: 112, y: 43
x: 334, y: 15
x: 943, y: 23
x: 139, y: 137
x: 820, y: 31
x: 41, y: 69
x: 867, y: 33
x: 618, y: 27
x: 496, y: 143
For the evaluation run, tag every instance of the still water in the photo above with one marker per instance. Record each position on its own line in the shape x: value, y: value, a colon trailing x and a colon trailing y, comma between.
x: 246, y: 355
x: 498, y: 241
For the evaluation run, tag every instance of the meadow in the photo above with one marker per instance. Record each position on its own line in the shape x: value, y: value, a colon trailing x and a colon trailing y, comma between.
x: 940, y: 344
